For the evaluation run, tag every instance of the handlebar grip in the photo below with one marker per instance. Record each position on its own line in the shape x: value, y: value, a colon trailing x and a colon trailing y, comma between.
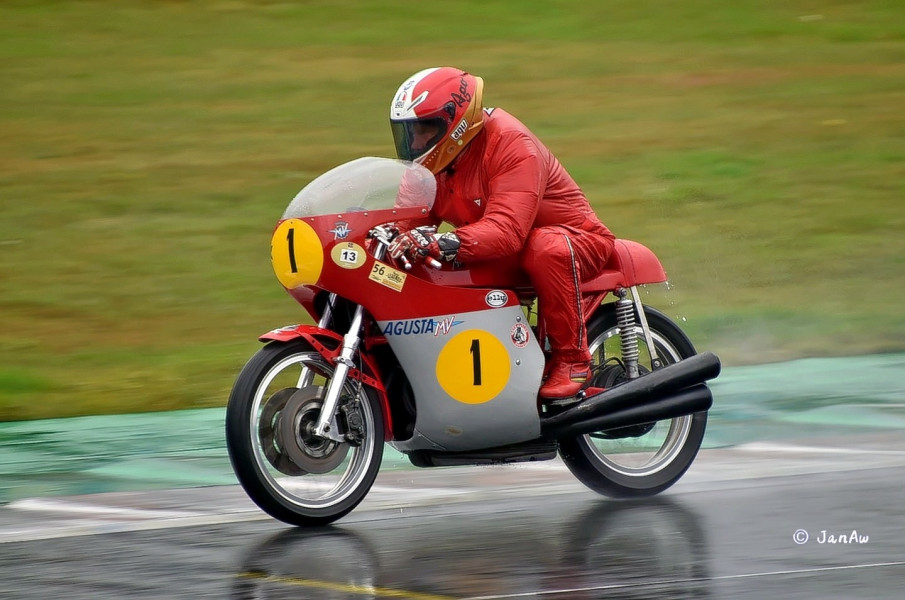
x: 433, y: 262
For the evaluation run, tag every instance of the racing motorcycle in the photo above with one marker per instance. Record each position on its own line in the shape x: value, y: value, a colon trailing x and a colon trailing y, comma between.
x: 443, y: 362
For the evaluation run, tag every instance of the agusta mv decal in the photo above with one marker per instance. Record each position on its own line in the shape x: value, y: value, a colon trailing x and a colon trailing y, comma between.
x: 437, y: 327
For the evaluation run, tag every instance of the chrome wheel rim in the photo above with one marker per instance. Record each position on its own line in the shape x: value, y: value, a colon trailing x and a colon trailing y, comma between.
x: 649, y: 453
x: 305, y: 489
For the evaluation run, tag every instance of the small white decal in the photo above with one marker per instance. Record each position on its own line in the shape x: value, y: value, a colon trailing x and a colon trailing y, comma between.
x: 519, y: 335
x: 496, y: 298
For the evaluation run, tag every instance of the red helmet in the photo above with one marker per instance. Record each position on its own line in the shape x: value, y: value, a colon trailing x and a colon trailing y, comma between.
x: 434, y: 114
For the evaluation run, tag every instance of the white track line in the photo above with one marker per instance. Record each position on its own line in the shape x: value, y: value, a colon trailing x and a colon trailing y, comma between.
x: 667, y: 582
x: 78, y: 508
x: 791, y: 448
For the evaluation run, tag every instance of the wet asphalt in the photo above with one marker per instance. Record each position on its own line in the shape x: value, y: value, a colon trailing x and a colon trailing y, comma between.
x: 798, y: 519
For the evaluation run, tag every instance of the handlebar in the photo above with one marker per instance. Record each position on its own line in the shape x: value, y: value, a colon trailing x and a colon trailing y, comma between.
x: 384, y: 234
x: 430, y: 260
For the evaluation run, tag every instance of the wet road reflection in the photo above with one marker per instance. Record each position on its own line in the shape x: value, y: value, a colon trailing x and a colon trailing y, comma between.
x: 651, y: 548
x: 728, y: 530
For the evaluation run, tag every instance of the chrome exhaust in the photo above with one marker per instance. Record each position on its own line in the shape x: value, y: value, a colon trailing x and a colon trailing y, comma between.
x: 675, y: 390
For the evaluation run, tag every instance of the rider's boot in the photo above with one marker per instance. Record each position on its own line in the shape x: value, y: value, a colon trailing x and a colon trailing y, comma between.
x: 548, y: 366
x: 564, y: 381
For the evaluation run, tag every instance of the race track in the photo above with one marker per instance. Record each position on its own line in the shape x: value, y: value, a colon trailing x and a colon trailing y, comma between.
x: 733, y: 527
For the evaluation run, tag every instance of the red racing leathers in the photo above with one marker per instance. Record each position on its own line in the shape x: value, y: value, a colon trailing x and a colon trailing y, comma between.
x: 507, y: 194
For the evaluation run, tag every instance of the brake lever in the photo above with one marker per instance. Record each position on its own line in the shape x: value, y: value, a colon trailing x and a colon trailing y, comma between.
x: 433, y: 262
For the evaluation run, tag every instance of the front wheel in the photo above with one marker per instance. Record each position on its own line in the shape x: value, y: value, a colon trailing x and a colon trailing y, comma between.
x: 641, y: 460
x: 290, y: 473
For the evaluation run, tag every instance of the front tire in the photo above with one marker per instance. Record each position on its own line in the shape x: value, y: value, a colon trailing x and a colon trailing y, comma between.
x: 288, y: 472
x: 641, y: 460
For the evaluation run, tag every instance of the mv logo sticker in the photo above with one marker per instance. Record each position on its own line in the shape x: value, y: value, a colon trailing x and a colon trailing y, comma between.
x: 444, y: 326
x: 340, y: 230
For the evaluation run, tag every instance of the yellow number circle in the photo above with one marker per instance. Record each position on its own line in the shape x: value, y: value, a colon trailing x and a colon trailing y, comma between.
x: 473, y: 367
x: 296, y: 254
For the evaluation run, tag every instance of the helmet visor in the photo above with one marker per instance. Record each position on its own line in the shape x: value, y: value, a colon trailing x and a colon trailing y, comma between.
x: 416, y: 137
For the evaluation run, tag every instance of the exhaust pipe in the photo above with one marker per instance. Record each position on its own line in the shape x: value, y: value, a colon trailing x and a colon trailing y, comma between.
x: 677, y: 404
x: 652, y: 397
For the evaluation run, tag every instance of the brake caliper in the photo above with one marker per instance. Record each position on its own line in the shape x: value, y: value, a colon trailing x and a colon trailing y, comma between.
x: 353, y: 422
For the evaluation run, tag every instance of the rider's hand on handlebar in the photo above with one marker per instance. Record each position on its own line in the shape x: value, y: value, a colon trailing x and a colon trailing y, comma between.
x: 424, y: 243
x: 444, y: 246
x: 407, y: 243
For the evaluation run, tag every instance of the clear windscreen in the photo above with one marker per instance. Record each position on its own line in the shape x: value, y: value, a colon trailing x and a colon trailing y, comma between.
x: 368, y: 183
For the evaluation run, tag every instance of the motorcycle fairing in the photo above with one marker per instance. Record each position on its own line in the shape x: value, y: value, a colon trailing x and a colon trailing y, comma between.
x: 469, y: 372
x: 328, y: 344
x: 388, y: 291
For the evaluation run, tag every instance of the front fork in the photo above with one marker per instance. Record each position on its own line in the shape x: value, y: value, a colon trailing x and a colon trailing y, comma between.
x: 625, y: 318
x: 326, y: 421
x: 344, y: 362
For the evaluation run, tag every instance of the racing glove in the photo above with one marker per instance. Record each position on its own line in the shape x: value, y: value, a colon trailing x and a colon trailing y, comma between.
x: 422, y: 242
x: 444, y: 246
x: 407, y: 243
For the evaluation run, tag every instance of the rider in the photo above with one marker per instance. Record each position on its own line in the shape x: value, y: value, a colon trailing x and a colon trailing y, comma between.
x: 506, y: 194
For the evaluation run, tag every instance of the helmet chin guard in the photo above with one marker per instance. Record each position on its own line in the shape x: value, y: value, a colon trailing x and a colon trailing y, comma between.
x: 434, y: 114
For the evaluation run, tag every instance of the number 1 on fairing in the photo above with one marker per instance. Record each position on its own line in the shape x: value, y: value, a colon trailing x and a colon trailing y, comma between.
x: 290, y: 237
x: 476, y: 360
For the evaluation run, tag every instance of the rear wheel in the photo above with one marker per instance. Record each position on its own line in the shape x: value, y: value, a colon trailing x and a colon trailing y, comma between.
x: 293, y: 475
x: 640, y: 460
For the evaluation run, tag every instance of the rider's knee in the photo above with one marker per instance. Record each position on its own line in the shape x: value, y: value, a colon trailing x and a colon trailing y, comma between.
x: 545, y: 248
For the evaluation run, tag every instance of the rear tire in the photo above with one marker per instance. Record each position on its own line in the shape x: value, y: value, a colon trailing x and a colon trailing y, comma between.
x: 288, y: 472
x: 642, y: 460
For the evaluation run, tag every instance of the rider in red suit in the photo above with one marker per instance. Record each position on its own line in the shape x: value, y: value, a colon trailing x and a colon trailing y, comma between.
x: 506, y: 194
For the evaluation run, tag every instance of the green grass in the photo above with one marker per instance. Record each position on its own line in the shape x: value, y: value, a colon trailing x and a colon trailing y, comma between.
x: 146, y: 149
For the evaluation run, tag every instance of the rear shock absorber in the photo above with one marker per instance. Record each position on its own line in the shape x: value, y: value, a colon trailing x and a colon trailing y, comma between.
x: 625, y: 319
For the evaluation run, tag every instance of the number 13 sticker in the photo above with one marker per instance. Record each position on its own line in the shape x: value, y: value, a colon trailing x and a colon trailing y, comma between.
x: 473, y: 367
x: 348, y: 255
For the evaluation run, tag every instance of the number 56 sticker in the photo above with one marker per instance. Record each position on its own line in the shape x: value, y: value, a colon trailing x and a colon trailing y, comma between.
x: 386, y: 275
x: 473, y: 367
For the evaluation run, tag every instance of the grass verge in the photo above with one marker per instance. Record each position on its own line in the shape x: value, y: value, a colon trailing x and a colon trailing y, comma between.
x: 148, y: 146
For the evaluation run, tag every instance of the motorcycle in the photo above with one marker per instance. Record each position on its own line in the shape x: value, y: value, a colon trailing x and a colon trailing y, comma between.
x: 444, y: 362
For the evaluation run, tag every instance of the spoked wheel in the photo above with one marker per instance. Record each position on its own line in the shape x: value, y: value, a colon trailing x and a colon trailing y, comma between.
x: 640, y: 460
x: 288, y: 471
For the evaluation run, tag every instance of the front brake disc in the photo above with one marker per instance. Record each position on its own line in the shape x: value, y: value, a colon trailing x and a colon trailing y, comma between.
x: 269, y: 433
x: 297, y: 422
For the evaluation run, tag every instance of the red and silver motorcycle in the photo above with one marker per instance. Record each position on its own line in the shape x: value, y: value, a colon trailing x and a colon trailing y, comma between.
x: 444, y: 363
